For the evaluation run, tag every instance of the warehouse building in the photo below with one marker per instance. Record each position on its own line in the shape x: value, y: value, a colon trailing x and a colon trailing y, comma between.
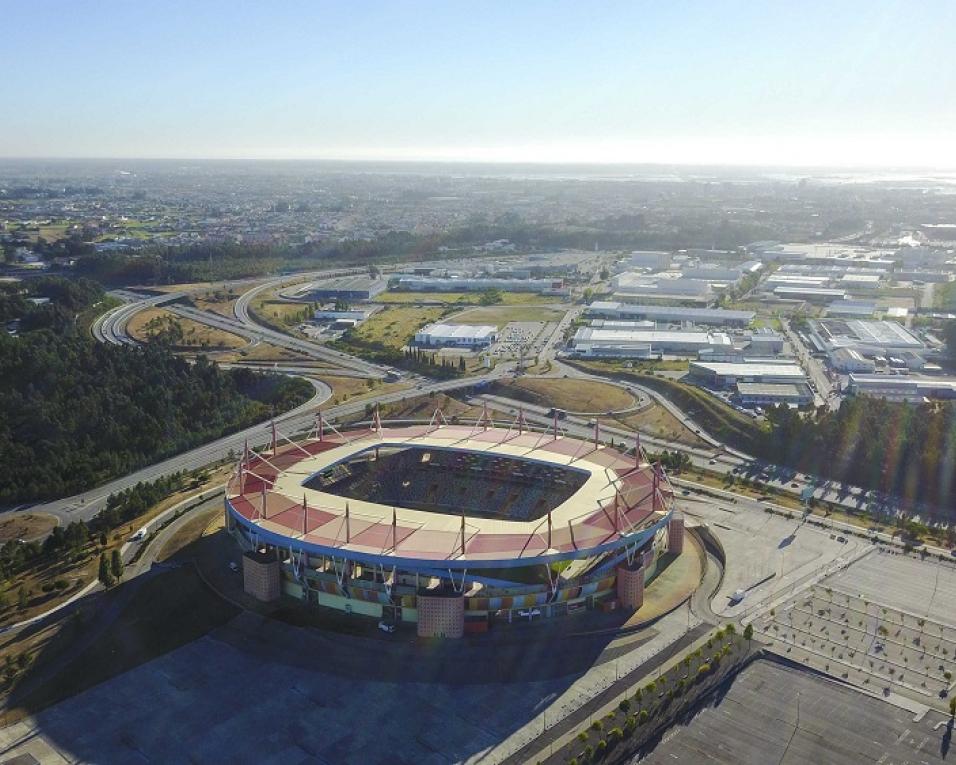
x: 902, y: 388
x: 662, y: 285
x: 850, y: 360
x: 767, y: 394
x: 456, y: 335
x: 342, y: 288
x: 870, y: 338
x: 810, y: 294
x: 853, y: 309
x: 724, y: 375
x: 669, y: 314
x: 643, y: 343
x: 482, y: 284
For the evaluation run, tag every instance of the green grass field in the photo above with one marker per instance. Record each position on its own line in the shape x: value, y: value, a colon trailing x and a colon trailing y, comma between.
x: 501, y: 315
x: 395, y: 326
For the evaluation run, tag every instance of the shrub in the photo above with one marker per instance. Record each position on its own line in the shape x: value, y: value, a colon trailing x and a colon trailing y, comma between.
x: 61, y: 584
x: 617, y: 733
x: 601, y: 747
x: 597, y: 725
x: 583, y: 736
x: 642, y: 717
x: 703, y: 669
x: 625, y: 705
x: 47, y: 587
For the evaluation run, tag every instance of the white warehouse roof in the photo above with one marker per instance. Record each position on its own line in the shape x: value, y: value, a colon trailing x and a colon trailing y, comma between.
x: 458, y: 331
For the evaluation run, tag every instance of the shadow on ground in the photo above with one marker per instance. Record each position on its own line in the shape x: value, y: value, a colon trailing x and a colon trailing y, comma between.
x: 165, y: 653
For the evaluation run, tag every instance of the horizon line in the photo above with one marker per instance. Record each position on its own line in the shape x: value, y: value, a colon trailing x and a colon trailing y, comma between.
x: 487, y: 162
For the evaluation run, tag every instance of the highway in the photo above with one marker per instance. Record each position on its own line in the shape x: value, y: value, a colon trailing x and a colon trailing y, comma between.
x: 720, y: 459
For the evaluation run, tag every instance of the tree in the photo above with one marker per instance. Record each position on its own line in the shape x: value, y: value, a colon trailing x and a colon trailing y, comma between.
x: 116, y: 564
x: 105, y: 575
x: 749, y: 632
x: 22, y: 599
x: 952, y: 706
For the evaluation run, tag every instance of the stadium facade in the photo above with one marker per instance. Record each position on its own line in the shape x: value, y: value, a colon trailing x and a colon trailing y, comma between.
x: 452, y: 527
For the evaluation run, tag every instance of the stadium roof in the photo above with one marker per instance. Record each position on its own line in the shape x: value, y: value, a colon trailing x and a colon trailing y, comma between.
x: 616, y: 506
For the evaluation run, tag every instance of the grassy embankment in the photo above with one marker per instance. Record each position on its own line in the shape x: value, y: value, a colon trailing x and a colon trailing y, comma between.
x: 594, y: 397
x: 715, y: 417
x: 191, y: 336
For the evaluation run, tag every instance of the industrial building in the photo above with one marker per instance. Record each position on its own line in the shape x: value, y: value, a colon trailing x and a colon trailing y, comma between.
x: 764, y: 342
x: 653, y: 260
x: 669, y: 314
x: 481, y: 284
x: 342, y: 288
x: 856, y: 309
x: 727, y: 375
x: 765, y: 394
x: 643, y: 343
x: 870, y: 338
x: 456, y: 335
x: 810, y: 294
x: 665, y: 285
x: 850, y: 360
x: 902, y: 387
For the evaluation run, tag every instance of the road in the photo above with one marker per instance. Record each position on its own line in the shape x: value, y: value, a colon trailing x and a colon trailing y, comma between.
x: 300, y: 419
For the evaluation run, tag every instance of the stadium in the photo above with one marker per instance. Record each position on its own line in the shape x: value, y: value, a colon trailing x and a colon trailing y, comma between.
x: 452, y: 527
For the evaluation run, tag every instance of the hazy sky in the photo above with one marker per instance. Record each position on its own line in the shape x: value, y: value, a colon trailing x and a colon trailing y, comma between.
x: 718, y: 82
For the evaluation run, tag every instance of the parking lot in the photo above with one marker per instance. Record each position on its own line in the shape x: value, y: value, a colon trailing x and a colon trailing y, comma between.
x: 905, y: 582
x: 518, y: 335
x: 866, y: 643
x: 774, y: 714
x: 767, y: 556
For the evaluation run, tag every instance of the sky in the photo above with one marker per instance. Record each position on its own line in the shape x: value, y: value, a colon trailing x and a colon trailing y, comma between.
x: 836, y: 83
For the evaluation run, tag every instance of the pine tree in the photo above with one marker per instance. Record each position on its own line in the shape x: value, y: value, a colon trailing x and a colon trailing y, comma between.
x: 116, y: 564
x: 105, y: 576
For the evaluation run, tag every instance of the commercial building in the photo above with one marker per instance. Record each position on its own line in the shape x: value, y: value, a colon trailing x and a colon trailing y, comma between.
x: 456, y: 335
x: 629, y: 343
x: 342, y: 288
x: 669, y: 314
x: 727, y: 375
x: 765, y: 394
x: 901, y: 387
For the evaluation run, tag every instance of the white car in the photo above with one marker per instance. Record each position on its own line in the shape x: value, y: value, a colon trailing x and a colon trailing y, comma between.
x: 234, y: 567
x: 386, y: 627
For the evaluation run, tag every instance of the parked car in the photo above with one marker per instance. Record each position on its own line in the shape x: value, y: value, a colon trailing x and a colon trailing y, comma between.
x: 386, y: 627
x: 234, y: 567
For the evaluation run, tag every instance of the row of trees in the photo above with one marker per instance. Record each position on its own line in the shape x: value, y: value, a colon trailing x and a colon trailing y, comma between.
x: 899, y: 448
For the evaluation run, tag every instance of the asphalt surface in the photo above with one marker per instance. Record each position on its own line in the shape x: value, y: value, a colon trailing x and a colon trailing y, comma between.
x: 773, y: 714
